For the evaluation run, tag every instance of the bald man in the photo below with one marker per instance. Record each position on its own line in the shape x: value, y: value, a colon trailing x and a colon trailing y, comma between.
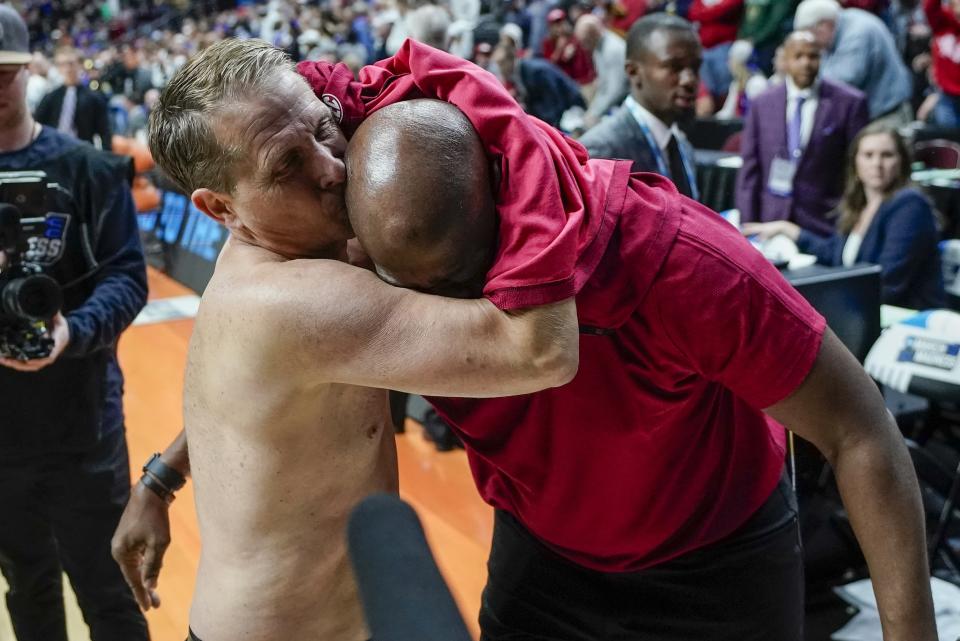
x: 795, y: 143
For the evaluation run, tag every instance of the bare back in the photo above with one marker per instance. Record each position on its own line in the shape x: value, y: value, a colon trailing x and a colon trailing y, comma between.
x: 278, y: 462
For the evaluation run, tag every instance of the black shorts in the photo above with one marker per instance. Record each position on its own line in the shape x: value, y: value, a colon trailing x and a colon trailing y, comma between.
x: 747, y: 587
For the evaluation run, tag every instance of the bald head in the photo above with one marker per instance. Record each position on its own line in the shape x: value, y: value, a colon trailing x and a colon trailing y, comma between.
x: 420, y: 198
x: 801, y: 58
x: 589, y: 30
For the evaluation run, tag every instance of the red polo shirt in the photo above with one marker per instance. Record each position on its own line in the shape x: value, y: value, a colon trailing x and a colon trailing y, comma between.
x: 658, y: 446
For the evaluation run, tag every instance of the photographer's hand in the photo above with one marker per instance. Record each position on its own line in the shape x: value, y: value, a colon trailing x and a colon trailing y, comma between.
x: 140, y: 542
x: 61, y: 338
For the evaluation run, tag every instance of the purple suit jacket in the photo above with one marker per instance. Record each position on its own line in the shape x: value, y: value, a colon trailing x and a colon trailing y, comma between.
x: 841, y: 113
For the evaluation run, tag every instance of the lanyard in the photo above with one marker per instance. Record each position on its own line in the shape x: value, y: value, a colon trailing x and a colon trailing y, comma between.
x: 638, y: 115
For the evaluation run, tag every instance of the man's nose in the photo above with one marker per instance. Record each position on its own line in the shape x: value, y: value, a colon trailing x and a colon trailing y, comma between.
x: 689, y: 77
x: 329, y: 170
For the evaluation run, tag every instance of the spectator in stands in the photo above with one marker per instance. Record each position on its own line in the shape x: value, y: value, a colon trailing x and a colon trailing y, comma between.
x: 748, y: 81
x: 663, y: 65
x: 719, y: 21
x: 859, y: 49
x: 562, y: 49
x: 511, y: 35
x: 609, y: 57
x: 944, y: 19
x: 765, y: 24
x: 428, y: 24
x: 127, y: 76
x: 40, y: 83
x: 74, y: 108
x: 883, y: 220
x: 794, y: 142
x: 540, y: 87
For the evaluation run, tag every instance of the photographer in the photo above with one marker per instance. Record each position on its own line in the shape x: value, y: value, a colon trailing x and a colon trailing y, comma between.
x: 64, y: 474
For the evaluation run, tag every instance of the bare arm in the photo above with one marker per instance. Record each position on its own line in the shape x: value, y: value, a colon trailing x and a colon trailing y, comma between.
x: 143, y: 533
x: 839, y: 409
x: 341, y: 324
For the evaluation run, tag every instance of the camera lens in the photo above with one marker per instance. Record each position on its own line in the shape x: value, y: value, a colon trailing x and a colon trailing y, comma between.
x: 34, y: 297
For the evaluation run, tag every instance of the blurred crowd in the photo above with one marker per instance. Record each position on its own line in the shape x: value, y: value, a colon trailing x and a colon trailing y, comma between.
x: 562, y: 59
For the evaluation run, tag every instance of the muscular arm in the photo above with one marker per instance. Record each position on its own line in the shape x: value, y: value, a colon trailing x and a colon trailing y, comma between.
x: 839, y: 409
x: 341, y: 324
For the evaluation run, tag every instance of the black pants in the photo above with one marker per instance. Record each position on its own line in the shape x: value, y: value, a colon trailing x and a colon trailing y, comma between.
x: 747, y: 587
x: 192, y: 637
x: 58, y: 514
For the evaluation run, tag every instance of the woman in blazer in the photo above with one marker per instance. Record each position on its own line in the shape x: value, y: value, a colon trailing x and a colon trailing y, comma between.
x: 882, y: 220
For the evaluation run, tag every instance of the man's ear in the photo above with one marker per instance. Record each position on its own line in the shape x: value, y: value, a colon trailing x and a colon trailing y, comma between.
x: 216, y: 205
x: 632, y: 69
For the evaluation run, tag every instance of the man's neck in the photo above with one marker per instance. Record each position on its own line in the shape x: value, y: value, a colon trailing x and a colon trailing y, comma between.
x: 667, y: 119
x: 17, y: 136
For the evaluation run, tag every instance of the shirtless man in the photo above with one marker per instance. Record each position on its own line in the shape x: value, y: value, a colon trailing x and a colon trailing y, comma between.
x: 286, y: 429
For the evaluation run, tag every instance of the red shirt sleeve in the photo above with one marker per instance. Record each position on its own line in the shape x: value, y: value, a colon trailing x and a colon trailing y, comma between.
x: 543, y: 220
x: 748, y: 329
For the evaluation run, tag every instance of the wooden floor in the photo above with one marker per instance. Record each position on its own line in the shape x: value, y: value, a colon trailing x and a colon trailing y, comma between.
x: 457, y: 522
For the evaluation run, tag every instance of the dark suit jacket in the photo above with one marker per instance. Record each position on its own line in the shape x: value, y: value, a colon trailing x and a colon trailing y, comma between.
x: 619, y: 136
x: 902, y: 239
x: 549, y: 91
x: 91, y: 116
x: 841, y: 113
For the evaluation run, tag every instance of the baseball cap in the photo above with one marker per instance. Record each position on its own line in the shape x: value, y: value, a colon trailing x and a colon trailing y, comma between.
x: 556, y: 15
x: 14, y: 41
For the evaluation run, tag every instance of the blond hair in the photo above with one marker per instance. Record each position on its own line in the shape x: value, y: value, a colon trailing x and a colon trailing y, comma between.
x: 181, y: 131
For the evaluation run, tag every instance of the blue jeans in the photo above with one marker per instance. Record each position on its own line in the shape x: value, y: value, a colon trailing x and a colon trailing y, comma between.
x: 714, y: 71
x: 947, y: 111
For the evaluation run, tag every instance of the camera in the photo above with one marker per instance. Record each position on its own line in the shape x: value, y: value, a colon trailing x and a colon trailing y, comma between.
x: 28, y: 297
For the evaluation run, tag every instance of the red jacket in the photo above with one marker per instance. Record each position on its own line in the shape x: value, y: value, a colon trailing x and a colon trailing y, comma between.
x: 946, y: 46
x: 719, y: 20
x: 573, y: 59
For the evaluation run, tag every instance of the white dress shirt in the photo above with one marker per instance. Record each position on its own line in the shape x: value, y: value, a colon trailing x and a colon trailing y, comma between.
x: 68, y: 112
x: 658, y: 129
x: 812, y: 96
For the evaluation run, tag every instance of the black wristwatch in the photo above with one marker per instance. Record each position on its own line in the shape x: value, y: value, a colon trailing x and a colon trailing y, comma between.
x: 161, y: 478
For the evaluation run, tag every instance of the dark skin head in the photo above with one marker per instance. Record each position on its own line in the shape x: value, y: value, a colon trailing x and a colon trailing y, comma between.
x: 420, y: 198
x: 801, y: 55
x: 665, y: 74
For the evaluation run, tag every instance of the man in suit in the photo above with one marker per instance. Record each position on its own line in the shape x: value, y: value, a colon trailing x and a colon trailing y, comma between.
x: 73, y: 108
x: 541, y: 87
x: 795, y: 143
x: 663, y: 66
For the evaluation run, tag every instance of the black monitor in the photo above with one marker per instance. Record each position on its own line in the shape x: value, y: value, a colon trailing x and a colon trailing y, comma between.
x: 848, y: 297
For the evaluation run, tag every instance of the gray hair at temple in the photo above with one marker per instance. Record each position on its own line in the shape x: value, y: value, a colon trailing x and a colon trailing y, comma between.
x: 810, y: 12
x: 181, y: 129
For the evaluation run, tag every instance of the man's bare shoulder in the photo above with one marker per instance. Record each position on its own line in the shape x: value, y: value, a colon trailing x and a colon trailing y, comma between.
x: 257, y: 296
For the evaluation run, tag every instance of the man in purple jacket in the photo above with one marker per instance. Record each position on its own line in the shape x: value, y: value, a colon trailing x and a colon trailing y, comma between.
x: 795, y: 143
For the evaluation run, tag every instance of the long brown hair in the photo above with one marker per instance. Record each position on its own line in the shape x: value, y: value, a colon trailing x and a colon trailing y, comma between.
x: 854, y: 198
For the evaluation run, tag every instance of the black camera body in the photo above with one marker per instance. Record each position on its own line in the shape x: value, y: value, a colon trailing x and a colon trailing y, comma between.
x: 28, y: 297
